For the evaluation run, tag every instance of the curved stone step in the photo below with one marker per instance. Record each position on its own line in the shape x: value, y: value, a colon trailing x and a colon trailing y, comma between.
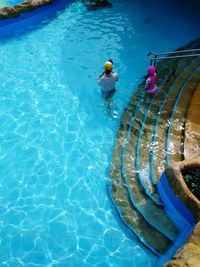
x: 139, y: 103
x: 129, y: 214
x: 151, y: 212
x: 145, y: 140
x: 154, y: 214
x: 147, y: 132
x: 144, y: 103
x: 192, y: 127
x: 144, y: 146
x: 141, y: 123
x: 145, y: 232
x: 119, y: 191
x: 163, y: 120
x: 175, y: 142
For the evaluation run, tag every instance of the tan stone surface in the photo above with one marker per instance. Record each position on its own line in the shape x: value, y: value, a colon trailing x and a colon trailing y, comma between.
x: 189, y: 254
x: 192, y: 127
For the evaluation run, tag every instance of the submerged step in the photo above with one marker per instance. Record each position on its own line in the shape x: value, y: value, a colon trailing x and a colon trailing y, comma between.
x: 192, y: 129
x: 150, y: 124
x: 163, y: 120
x: 143, y: 130
x: 129, y: 214
x: 144, y: 231
x: 175, y: 141
x: 149, y: 209
x: 152, y: 212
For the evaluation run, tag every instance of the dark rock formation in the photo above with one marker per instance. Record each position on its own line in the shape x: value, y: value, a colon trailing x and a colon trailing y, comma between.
x: 95, y: 4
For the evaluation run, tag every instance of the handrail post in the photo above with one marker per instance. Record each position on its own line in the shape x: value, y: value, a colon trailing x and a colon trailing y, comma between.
x: 173, y: 71
x: 175, y: 66
x: 155, y: 60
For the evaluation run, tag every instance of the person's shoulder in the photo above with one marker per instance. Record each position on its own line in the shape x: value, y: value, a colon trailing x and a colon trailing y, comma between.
x: 115, y: 75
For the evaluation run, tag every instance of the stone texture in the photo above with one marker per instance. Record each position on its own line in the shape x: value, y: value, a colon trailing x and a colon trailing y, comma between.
x: 15, y: 11
x: 189, y: 254
x: 192, y: 127
x: 176, y: 181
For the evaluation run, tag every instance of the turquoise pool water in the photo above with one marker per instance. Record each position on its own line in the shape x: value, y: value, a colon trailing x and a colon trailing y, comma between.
x: 56, y: 138
x: 4, y: 3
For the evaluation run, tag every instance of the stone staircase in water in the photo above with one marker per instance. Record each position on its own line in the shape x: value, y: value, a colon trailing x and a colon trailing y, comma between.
x: 150, y: 136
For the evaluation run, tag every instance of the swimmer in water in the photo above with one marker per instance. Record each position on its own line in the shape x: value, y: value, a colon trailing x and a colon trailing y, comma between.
x: 150, y: 86
x: 107, y: 80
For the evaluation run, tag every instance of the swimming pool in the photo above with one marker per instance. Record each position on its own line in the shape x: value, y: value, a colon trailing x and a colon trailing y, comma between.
x: 56, y: 138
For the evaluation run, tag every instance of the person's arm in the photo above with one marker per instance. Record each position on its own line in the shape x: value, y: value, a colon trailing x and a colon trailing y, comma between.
x: 102, y: 74
x: 147, y: 83
x: 99, y: 81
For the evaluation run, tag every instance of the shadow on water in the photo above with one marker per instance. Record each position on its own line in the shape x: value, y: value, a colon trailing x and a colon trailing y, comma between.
x: 96, y: 4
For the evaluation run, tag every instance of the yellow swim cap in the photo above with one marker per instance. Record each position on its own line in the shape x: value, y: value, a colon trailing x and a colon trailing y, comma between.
x: 108, y: 65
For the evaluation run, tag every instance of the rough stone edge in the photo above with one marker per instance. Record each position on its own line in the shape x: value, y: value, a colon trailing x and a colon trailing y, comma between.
x: 189, y: 254
x: 177, y: 183
x: 27, y: 6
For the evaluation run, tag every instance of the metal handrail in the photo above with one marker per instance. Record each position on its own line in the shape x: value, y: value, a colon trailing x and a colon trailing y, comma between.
x: 174, y: 57
x: 157, y: 55
x: 177, y: 55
